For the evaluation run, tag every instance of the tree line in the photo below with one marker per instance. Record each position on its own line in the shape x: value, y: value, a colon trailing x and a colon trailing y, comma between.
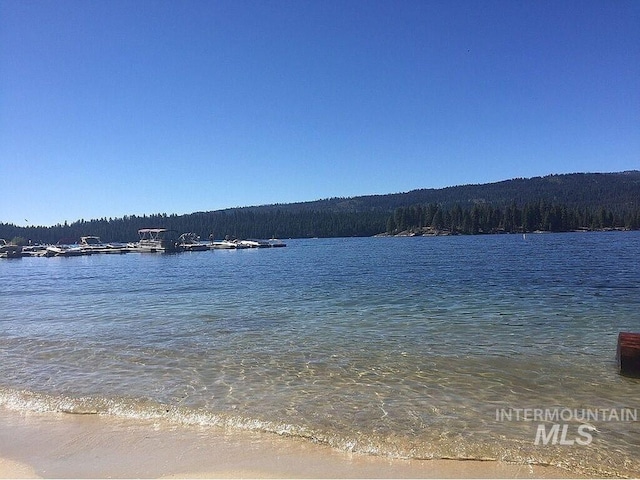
x: 236, y: 223
x: 482, y: 218
x: 554, y: 203
x: 533, y: 216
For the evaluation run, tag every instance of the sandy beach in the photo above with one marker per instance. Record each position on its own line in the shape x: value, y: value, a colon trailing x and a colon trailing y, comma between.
x: 58, y: 445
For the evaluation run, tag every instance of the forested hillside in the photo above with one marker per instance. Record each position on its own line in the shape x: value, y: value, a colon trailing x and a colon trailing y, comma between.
x: 551, y: 203
x: 434, y: 219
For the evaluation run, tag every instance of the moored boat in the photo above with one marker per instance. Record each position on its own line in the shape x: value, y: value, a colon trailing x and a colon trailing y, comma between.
x: 64, y: 251
x: 229, y: 243
x: 157, y: 240
x: 190, y: 242
x: 274, y: 243
x: 225, y: 245
x: 255, y: 243
x: 8, y: 250
x: 93, y: 244
x: 34, y: 250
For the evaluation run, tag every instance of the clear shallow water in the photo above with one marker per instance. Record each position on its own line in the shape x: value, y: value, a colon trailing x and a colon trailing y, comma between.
x: 391, y: 346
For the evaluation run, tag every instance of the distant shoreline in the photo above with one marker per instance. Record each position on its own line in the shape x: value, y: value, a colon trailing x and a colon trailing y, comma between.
x: 430, y: 232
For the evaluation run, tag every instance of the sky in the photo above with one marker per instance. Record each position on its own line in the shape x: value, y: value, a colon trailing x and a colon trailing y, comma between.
x: 113, y: 108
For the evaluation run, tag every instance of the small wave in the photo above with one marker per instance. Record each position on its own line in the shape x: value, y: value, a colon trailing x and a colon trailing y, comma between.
x: 142, y: 409
x: 367, y: 444
x: 28, y: 401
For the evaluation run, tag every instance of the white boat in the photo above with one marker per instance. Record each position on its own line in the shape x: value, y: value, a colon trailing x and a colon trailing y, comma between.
x: 274, y: 243
x: 34, y: 250
x: 93, y: 244
x: 157, y: 240
x: 229, y: 243
x: 8, y: 250
x: 190, y: 242
x: 255, y: 243
x: 225, y: 245
x: 64, y: 251
x: 252, y: 243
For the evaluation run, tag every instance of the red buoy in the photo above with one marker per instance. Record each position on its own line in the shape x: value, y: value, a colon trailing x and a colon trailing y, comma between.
x: 628, y: 354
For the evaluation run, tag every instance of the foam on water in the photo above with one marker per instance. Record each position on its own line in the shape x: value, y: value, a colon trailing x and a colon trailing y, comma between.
x: 446, y: 444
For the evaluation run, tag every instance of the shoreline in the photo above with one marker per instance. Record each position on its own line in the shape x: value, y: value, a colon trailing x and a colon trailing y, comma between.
x: 47, y: 445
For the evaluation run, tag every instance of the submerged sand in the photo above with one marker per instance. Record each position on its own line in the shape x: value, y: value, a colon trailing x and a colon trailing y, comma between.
x: 55, y: 445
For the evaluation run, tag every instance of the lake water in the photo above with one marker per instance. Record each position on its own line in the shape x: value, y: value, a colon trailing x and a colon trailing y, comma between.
x: 404, y: 347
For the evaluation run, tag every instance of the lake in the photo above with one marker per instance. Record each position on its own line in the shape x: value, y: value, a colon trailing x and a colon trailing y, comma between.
x: 479, y: 347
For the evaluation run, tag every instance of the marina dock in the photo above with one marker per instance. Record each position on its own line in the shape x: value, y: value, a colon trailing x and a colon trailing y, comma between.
x: 152, y: 240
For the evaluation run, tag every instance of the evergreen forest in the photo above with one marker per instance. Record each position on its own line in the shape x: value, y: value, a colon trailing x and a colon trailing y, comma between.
x: 554, y: 203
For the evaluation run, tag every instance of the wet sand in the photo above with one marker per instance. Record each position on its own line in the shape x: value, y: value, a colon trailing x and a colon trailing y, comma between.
x: 58, y: 445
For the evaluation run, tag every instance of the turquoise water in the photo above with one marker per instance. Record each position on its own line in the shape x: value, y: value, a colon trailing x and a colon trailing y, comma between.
x: 400, y: 347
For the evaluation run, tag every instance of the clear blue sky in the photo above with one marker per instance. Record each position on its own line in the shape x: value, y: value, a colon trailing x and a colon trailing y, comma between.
x: 112, y: 108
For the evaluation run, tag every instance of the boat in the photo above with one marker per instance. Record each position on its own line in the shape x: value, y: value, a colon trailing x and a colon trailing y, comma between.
x: 190, y: 242
x: 236, y: 244
x: 93, y: 244
x: 222, y: 245
x: 64, y: 251
x: 255, y: 243
x: 157, y: 240
x: 226, y: 245
x: 263, y: 243
x: 275, y: 243
x: 34, y: 250
x: 8, y: 250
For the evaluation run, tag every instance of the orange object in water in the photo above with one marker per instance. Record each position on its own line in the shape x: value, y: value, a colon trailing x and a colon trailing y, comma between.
x: 628, y: 354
